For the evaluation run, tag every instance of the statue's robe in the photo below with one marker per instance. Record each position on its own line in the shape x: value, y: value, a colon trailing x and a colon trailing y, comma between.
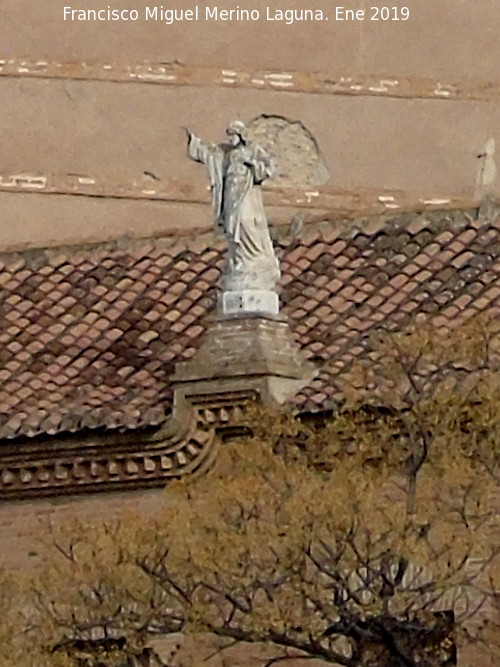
x: 234, y: 175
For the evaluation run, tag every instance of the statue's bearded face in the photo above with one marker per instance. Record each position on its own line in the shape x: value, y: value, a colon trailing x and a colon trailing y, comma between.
x: 233, y: 137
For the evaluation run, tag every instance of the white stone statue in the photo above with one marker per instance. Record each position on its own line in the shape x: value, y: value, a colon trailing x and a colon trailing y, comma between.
x: 236, y: 169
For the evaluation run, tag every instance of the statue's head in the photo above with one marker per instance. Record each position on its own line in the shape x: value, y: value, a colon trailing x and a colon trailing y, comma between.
x: 236, y: 131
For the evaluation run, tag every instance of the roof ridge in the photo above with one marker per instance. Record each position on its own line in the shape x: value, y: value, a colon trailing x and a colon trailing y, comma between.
x: 39, y: 256
x: 326, y: 230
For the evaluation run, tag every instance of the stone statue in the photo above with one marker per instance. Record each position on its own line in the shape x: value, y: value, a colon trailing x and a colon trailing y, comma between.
x: 236, y: 169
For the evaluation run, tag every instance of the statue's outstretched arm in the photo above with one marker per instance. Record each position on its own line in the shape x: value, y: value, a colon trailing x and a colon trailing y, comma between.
x: 197, y: 149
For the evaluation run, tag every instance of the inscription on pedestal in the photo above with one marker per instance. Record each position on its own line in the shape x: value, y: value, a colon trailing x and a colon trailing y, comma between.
x: 249, y: 302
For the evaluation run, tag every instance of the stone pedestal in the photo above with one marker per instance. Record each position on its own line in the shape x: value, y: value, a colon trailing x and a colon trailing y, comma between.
x: 254, y: 355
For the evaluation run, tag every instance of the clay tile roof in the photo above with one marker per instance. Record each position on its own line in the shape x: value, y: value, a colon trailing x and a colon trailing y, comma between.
x: 89, y: 337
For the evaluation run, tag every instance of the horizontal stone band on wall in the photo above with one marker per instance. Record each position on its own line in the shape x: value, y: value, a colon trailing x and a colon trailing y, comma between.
x: 323, y: 198
x: 287, y: 81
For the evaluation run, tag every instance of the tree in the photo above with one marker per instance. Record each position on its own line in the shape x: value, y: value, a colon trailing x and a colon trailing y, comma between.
x: 368, y: 538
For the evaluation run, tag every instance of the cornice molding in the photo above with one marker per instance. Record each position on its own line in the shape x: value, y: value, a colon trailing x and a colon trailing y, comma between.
x: 186, y: 444
x: 73, y: 467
